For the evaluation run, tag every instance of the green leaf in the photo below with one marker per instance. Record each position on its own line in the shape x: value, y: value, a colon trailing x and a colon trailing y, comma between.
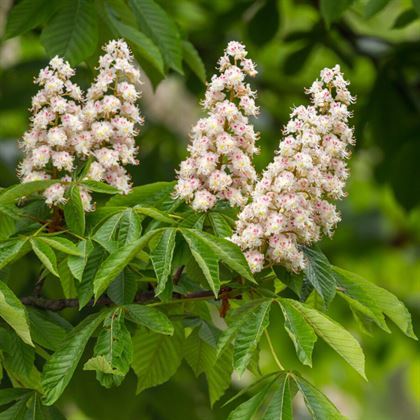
x: 331, y: 10
x: 404, y: 19
x: 219, y: 376
x: 61, y: 244
x: 219, y: 224
x: 205, y: 257
x: 155, y: 214
x: 156, y: 357
x: 235, y: 320
x: 319, y: 273
x: 114, y: 343
x: 228, y: 253
x: 9, y: 195
x: 77, y: 264
x: 193, y: 60
x: 193, y: 220
x: 378, y: 300
x: 251, y: 409
x: 373, y: 7
x: 12, y: 394
x: 130, y: 227
x: 16, y: 411
x: 142, y: 44
x: 161, y: 257
x: 150, y: 318
x: 279, y: 407
x: 13, y: 249
x: 85, y: 289
x: 73, y: 32
x: 416, y: 4
x: 19, y: 358
x: 123, y: 289
x: 157, y: 195
x: 300, y: 332
x: 46, y: 254
x: 46, y: 329
x: 333, y: 334
x: 7, y: 226
x: 99, y: 187
x: 74, y: 213
x: 59, y: 369
x: 13, y: 312
x: 116, y: 262
x: 108, y: 229
x: 249, y: 335
x: 26, y: 15
x: 199, y: 355
x: 158, y: 26
x: 319, y: 406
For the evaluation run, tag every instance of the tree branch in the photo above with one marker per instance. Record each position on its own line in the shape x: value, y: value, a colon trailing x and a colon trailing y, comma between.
x: 141, y: 297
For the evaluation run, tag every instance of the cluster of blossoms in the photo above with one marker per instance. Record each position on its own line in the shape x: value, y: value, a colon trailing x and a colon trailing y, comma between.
x: 67, y: 130
x: 219, y: 165
x: 291, y: 203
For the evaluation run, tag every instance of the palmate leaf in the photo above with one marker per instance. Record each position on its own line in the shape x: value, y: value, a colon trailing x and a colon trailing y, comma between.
x: 9, y: 195
x: 28, y: 14
x: 115, y: 345
x: 16, y: 411
x: 13, y: 312
x: 254, y: 407
x: 157, y: 195
x: 150, y: 318
x: 77, y: 264
x: 12, y: 394
x: 142, y: 44
x: 193, y: 60
x: 319, y: 273
x: 205, y: 257
x: 333, y: 334
x: 47, y: 329
x: 219, y: 224
x: 73, y: 32
x: 12, y: 249
x: 61, y: 244
x: 161, y: 257
x: 200, y: 355
x: 46, y: 255
x: 154, y: 214
x: 319, y: 406
x: 301, y: 333
x: 376, y: 299
x: 159, y: 27
x: 249, y: 335
x: 156, y: 357
x: 129, y: 227
x: 73, y: 211
x: 108, y: 229
x: 123, y: 289
x: 59, y: 369
x: 235, y: 320
x: 99, y: 187
x: 116, y: 262
x: 219, y: 376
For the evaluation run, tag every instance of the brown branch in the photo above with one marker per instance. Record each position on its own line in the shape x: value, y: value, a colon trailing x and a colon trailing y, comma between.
x: 141, y: 297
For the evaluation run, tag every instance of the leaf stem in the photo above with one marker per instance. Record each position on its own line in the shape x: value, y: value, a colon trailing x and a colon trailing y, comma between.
x: 273, y: 352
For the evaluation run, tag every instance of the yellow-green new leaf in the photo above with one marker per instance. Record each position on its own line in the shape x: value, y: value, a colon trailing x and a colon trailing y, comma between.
x: 61, y: 365
x: 333, y: 334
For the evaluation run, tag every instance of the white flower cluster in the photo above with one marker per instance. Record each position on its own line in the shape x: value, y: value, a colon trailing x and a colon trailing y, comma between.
x: 67, y: 130
x: 291, y: 203
x: 223, y: 144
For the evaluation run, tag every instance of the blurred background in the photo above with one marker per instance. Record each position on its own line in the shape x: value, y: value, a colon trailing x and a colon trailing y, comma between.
x: 377, y: 44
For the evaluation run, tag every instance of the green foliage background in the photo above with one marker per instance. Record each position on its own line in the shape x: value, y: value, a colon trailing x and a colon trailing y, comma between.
x: 377, y: 43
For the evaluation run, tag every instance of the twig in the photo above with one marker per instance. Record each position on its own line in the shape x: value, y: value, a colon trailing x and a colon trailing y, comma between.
x: 141, y: 297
